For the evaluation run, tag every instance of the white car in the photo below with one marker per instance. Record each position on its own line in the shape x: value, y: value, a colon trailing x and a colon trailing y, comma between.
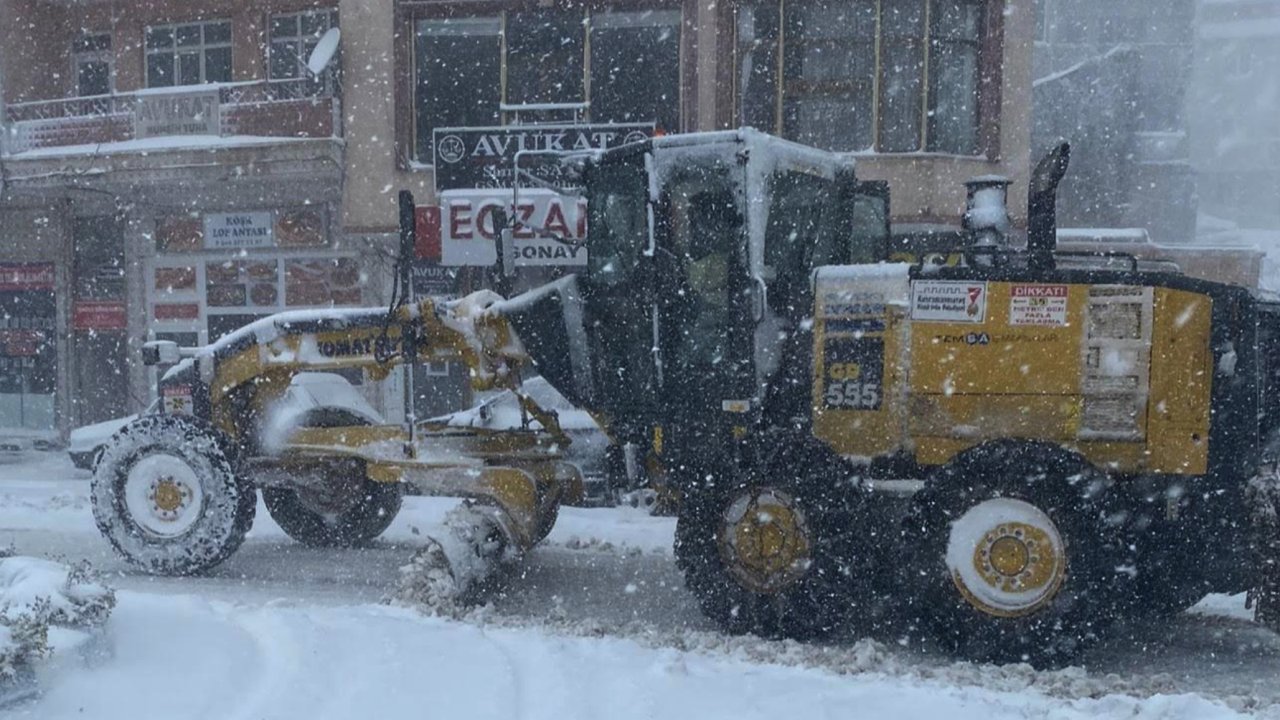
x: 308, y: 391
x: 86, y: 443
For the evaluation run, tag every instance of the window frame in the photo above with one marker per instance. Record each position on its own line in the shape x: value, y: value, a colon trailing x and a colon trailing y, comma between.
x: 988, y: 81
x: 103, y: 54
x: 328, y: 80
x: 409, y: 17
x: 173, y: 50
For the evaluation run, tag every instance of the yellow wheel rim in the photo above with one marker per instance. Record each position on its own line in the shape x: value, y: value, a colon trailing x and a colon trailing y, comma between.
x: 1006, y: 557
x: 168, y: 496
x: 764, y: 540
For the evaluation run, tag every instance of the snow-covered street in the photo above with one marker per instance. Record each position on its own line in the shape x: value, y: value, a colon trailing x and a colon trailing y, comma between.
x: 597, y: 625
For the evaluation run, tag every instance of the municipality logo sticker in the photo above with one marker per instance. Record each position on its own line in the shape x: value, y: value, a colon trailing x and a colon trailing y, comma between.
x: 451, y: 149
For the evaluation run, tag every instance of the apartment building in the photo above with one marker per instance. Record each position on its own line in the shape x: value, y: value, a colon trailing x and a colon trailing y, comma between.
x: 173, y: 170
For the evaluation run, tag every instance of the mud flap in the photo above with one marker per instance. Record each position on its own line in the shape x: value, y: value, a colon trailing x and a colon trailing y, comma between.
x: 1264, y: 515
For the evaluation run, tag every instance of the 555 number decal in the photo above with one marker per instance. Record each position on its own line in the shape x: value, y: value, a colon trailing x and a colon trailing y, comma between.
x: 853, y: 369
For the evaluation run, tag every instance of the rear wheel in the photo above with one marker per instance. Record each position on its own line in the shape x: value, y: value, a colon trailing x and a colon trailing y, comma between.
x: 166, y: 497
x: 776, y: 549
x: 351, y: 511
x: 1017, y: 553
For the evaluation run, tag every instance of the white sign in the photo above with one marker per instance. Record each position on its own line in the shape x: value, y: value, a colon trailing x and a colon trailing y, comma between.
x: 1040, y: 305
x: 949, y: 301
x: 176, y: 113
x: 468, y: 235
x: 233, y: 231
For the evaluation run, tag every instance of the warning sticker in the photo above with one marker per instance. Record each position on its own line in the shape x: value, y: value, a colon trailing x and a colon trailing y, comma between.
x: 177, y: 400
x: 1040, y: 305
x: 949, y: 301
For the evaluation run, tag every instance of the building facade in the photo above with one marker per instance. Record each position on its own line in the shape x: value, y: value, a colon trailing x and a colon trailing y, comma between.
x: 173, y: 171
x: 1235, y: 96
x: 1111, y: 77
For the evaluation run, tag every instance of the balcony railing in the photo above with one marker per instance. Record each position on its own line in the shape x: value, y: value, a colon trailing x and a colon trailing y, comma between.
x: 280, y: 109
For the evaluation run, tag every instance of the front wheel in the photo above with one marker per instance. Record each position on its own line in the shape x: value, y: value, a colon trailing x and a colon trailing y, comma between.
x: 1016, y: 554
x: 166, y: 497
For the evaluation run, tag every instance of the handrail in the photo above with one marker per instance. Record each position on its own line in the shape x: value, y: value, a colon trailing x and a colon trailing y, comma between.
x: 175, y: 89
x: 96, y: 119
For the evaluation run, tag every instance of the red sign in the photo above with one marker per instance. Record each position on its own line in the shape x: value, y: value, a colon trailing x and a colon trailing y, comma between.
x: 427, y: 233
x: 26, y: 276
x: 21, y: 343
x: 177, y: 311
x: 98, y: 315
x: 1055, y: 291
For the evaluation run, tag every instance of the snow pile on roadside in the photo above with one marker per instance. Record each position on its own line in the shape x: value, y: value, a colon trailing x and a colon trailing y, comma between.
x: 180, y: 656
x: 36, y: 595
x: 865, y: 657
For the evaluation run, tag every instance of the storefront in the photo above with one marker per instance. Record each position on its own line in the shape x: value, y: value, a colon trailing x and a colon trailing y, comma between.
x: 28, y: 346
x: 214, y: 272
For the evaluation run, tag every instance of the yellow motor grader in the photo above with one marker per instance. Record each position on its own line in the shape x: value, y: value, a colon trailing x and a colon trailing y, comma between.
x: 1011, y: 452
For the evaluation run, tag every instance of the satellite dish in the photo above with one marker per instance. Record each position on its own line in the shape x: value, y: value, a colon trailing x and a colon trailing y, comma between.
x: 322, y: 55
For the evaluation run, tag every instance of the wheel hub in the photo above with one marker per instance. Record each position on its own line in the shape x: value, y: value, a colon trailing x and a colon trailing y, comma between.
x: 163, y: 495
x: 168, y: 497
x: 1006, y: 557
x: 765, y: 541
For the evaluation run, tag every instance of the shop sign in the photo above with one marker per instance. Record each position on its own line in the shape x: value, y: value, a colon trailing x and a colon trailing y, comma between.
x: 21, y: 343
x: 550, y: 228
x: 949, y: 301
x: 98, y: 315
x: 435, y: 281
x: 18, y: 277
x: 484, y: 157
x: 236, y: 231
x: 176, y: 113
x: 473, y: 168
x: 177, y: 311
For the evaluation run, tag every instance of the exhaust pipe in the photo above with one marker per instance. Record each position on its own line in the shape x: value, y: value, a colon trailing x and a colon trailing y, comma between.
x: 1042, y: 207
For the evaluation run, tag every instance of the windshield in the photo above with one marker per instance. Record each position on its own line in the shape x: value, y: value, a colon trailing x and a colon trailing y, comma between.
x: 617, y: 228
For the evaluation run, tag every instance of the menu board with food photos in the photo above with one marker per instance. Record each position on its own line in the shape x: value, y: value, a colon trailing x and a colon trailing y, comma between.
x: 242, y: 283
x: 322, y: 281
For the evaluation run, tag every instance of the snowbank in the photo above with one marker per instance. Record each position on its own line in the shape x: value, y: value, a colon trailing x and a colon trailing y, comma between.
x: 37, y: 597
x: 179, y: 656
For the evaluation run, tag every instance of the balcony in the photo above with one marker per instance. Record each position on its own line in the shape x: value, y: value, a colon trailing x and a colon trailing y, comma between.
x: 192, y: 116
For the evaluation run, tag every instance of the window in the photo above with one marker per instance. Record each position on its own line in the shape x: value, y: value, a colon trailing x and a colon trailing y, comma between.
x: 91, y: 57
x: 874, y: 75
x: 544, y: 57
x: 459, y: 75
x: 626, y: 65
x: 188, y: 54
x: 292, y: 39
x: 621, y: 42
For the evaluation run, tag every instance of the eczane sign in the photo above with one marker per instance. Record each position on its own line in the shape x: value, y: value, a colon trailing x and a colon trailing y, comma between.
x: 468, y: 231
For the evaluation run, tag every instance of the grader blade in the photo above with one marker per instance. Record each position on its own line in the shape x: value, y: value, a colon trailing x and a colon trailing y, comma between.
x: 451, y: 570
